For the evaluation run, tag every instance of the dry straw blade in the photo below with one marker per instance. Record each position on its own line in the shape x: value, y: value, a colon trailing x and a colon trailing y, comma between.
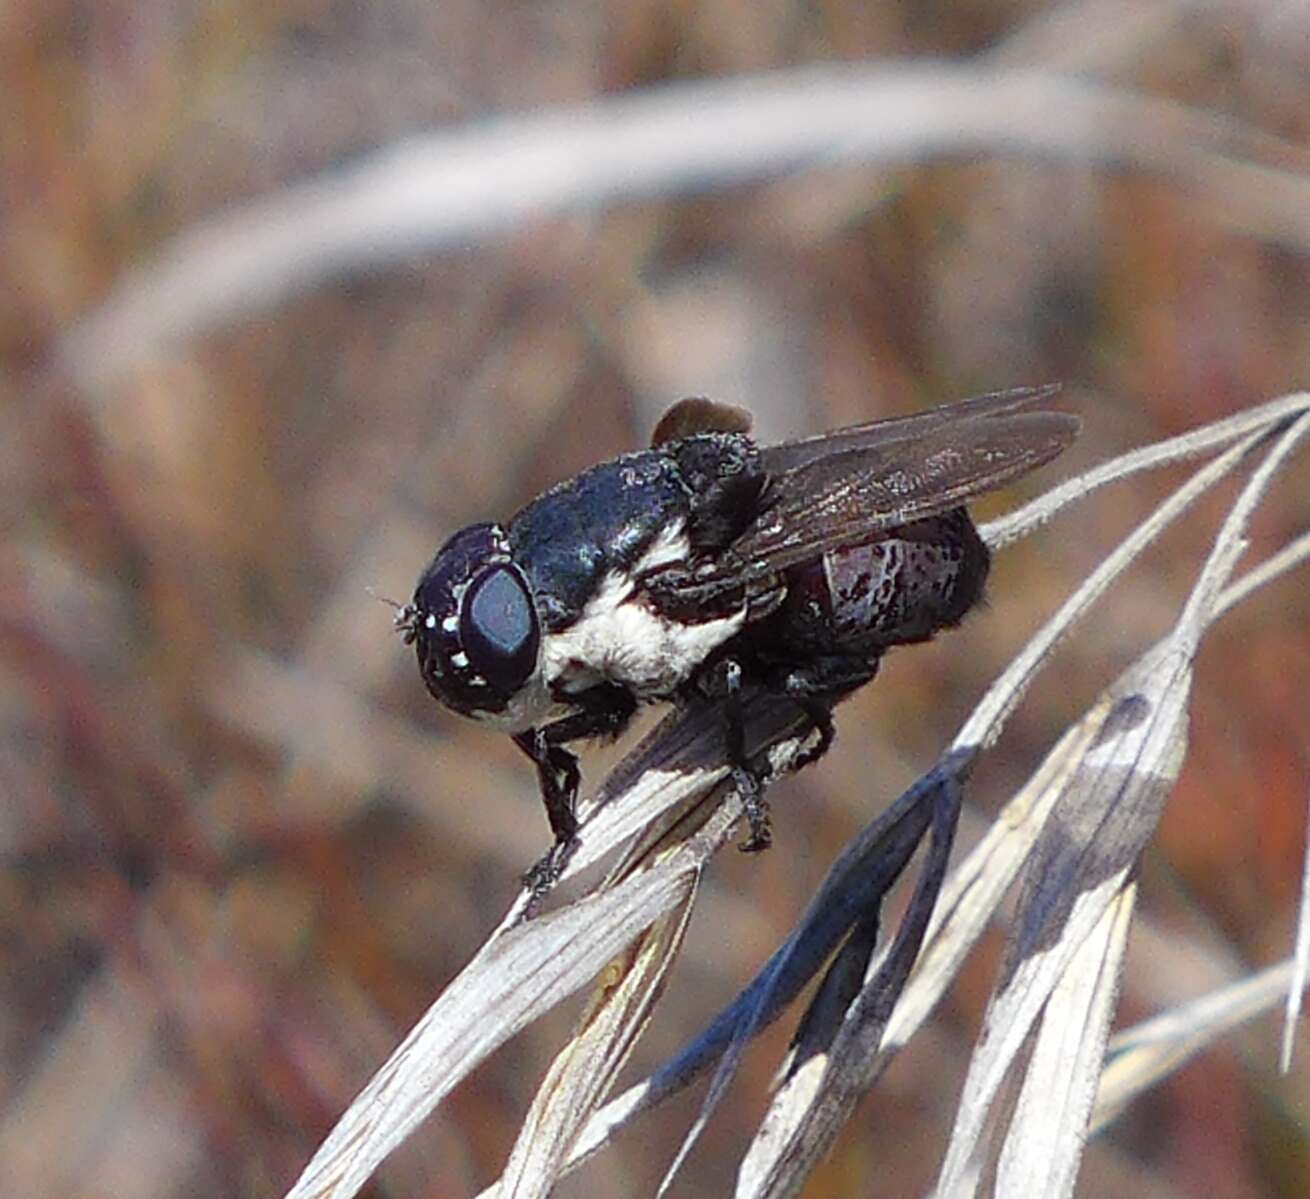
x: 778, y: 1163
x: 522, y: 972
x: 1139, y: 1057
x: 1063, y: 960
x: 1079, y: 825
x: 624, y: 931
x: 584, y: 1071
x: 426, y: 193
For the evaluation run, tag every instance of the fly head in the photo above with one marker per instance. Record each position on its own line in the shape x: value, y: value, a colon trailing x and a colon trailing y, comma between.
x: 474, y: 623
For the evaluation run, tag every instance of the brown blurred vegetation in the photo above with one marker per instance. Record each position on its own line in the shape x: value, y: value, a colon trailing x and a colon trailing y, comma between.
x: 242, y: 850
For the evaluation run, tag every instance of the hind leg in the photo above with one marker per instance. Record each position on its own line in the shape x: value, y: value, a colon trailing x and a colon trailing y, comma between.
x: 816, y: 686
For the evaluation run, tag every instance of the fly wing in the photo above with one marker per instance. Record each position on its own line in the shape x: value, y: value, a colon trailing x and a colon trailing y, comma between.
x: 792, y: 454
x: 841, y: 498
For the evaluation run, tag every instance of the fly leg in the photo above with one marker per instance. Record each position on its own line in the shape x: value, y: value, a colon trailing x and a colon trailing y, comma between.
x: 558, y: 776
x: 814, y: 687
x: 604, y: 711
x: 749, y: 784
x: 820, y: 716
x: 819, y: 684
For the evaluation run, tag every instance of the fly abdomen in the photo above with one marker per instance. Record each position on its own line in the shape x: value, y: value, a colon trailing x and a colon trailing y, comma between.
x: 894, y: 589
x: 923, y: 577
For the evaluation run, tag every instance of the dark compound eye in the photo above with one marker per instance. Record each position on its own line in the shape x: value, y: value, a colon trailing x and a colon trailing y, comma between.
x: 498, y: 628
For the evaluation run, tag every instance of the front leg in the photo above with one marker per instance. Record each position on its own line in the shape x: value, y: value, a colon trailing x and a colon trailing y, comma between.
x: 604, y: 710
x: 558, y: 776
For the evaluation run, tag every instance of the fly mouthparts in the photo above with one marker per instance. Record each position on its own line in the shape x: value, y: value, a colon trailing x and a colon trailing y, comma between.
x: 406, y: 623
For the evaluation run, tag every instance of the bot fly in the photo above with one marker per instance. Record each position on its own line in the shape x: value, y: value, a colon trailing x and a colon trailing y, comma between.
x: 707, y: 561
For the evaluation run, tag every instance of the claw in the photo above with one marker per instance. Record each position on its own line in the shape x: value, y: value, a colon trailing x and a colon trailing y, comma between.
x: 541, y: 878
x: 751, y: 790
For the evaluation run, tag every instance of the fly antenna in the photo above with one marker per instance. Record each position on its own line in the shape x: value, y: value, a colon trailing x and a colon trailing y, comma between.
x: 406, y: 615
x: 384, y: 600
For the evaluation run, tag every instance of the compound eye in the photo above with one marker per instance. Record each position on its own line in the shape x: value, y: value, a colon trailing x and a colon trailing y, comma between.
x: 498, y: 628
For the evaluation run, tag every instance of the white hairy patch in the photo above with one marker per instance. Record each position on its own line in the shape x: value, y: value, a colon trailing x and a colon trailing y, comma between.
x: 671, y: 545
x: 618, y: 639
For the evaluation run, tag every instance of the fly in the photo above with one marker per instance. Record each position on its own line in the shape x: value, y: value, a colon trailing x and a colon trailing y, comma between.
x: 708, y: 561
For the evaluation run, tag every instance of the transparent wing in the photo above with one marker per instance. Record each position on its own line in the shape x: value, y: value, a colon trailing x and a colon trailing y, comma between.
x: 841, y: 498
x: 792, y: 454
x: 873, y: 484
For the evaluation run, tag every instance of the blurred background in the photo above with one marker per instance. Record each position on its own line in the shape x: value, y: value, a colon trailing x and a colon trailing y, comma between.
x: 242, y: 850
